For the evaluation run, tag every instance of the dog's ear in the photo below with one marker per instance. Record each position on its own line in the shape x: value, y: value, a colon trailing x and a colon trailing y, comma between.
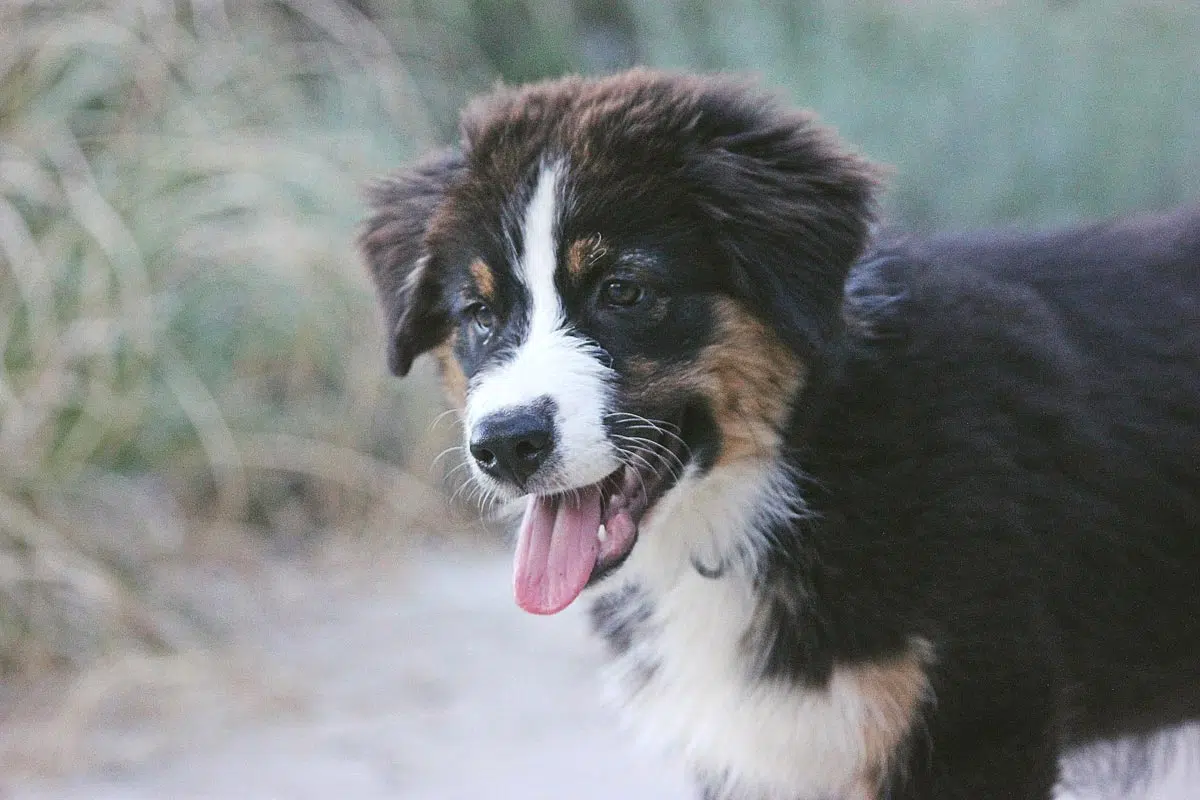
x: 393, y: 242
x: 791, y: 209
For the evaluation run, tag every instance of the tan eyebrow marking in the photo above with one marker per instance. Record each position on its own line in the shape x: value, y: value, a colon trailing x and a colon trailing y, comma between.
x: 583, y: 253
x: 485, y: 281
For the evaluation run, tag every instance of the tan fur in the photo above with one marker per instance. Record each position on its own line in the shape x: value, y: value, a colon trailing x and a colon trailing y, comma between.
x: 582, y: 254
x: 454, y: 381
x: 485, y: 282
x: 891, y: 693
x: 863, y: 790
x: 749, y: 376
x: 753, y: 378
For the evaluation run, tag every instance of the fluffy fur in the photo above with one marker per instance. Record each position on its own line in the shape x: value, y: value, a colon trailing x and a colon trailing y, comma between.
x: 922, y: 515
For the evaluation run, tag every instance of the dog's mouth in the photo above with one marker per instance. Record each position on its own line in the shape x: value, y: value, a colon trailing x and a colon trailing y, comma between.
x: 571, y: 539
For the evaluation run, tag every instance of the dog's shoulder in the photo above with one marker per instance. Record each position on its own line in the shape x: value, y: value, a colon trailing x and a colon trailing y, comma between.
x: 1057, y: 304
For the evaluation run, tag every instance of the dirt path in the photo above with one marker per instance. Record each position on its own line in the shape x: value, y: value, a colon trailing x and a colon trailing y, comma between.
x: 416, y: 680
x: 356, y: 677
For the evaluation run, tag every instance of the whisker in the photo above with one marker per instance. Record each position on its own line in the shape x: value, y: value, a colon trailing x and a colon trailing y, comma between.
x: 488, y: 502
x: 628, y: 453
x: 433, y: 464
x: 660, y: 427
x: 463, y: 487
x: 437, y: 420
x: 657, y: 449
x: 638, y: 473
x: 662, y: 463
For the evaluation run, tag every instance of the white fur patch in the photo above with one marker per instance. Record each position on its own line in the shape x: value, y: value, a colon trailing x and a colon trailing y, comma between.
x: 551, y: 361
x: 754, y: 738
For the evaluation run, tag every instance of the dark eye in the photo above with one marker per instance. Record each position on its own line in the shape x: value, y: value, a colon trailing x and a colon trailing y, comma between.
x: 618, y: 292
x: 482, y: 316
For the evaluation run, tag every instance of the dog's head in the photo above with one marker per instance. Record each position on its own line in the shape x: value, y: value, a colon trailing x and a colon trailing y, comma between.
x: 625, y: 281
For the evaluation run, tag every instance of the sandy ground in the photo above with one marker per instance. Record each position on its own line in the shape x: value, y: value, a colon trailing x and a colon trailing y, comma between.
x: 357, y: 676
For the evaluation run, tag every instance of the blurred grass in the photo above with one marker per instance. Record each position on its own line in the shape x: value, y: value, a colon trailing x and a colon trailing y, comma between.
x: 187, y: 335
x: 189, y: 345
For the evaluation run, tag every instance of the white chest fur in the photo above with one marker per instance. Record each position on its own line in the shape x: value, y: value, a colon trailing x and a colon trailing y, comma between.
x: 687, y: 680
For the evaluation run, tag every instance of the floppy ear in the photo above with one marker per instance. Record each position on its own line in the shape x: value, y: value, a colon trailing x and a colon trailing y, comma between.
x: 393, y: 241
x: 792, y: 210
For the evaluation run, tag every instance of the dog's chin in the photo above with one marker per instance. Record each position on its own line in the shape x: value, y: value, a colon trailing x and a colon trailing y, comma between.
x: 575, y: 537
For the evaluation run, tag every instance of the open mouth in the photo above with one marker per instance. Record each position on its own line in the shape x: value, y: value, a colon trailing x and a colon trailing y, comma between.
x: 571, y: 539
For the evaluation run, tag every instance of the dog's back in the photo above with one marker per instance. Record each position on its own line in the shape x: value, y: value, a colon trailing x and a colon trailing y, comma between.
x: 1066, y: 366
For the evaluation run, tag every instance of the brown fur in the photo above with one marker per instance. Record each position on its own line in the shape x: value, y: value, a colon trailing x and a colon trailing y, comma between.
x: 589, y: 121
x: 582, y: 254
x: 748, y: 375
x: 892, y: 691
x: 752, y: 379
x: 485, y: 281
x: 454, y: 382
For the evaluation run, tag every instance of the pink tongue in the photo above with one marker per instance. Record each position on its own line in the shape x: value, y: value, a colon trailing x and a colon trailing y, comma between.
x: 556, y: 550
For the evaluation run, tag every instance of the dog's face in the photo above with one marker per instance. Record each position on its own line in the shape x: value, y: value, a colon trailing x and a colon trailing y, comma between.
x: 626, y: 282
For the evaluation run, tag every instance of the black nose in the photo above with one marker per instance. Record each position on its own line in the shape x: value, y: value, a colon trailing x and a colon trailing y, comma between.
x: 512, y: 445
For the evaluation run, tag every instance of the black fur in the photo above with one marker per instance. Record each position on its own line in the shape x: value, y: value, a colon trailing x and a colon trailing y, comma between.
x: 393, y: 244
x: 1010, y: 466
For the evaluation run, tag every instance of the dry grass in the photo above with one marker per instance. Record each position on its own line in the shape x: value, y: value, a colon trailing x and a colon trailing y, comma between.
x: 187, y: 337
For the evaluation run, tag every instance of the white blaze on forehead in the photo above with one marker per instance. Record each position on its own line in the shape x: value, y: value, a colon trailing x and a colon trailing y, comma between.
x: 552, y: 361
x: 539, y: 262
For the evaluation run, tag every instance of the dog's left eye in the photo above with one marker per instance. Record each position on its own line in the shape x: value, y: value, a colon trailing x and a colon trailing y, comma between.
x: 618, y: 292
x: 482, y: 316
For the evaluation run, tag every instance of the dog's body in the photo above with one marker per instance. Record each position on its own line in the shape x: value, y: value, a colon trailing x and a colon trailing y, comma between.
x: 862, y: 520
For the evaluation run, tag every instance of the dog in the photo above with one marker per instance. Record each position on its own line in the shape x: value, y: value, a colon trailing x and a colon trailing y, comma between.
x: 857, y: 515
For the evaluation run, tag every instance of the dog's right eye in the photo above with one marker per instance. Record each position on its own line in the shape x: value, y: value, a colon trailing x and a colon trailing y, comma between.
x: 621, y: 293
x: 481, y: 316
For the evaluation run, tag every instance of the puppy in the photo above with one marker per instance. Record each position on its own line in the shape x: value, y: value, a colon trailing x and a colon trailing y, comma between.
x: 859, y: 517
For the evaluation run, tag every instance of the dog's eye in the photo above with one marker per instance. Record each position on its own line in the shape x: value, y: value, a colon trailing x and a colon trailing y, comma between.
x: 617, y: 292
x: 482, y: 316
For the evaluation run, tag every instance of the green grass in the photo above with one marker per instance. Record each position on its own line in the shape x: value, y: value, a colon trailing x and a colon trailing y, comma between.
x: 187, y: 339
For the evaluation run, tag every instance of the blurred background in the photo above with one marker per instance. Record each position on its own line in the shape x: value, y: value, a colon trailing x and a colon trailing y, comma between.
x: 220, y: 518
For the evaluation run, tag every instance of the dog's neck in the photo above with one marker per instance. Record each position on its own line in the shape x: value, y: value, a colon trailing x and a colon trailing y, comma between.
x: 682, y: 618
x: 713, y: 526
